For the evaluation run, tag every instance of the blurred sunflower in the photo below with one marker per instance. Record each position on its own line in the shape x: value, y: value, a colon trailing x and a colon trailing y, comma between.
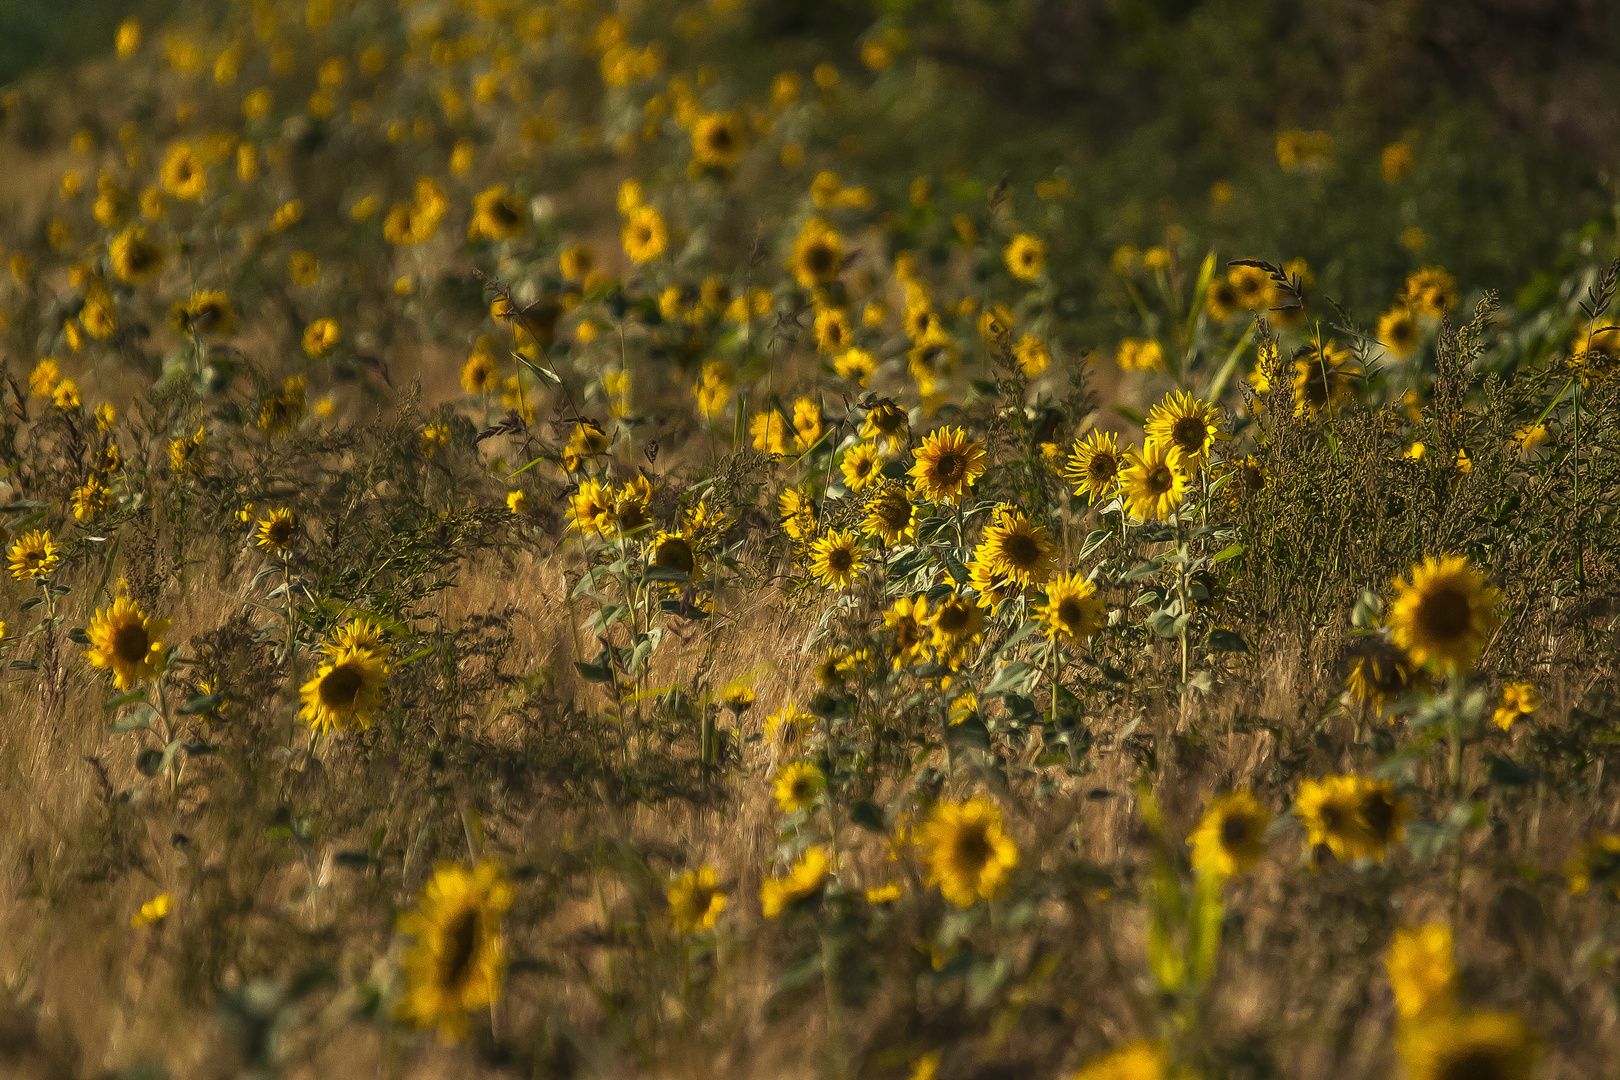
x: 1431, y: 291
x: 832, y: 331
x: 1231, y: 836
x: 1351, y: 816
x: 481, y: 374
x: 948, y: 463
x: 969, y: 857
x: 90, y: 499
x: 889, y: 422
x: 718, y: 141
x: 183, y: 173
x: 797, y: 785
x: 134, y: 257
x: 1323, y: 377
x: 457, y: 962
x: 497, y: 215
x: 1025, y: 257
x: 124, y: 639
x: 320, y: 337
x: 205, y: 313
x: 673, y: 551
x: 1475, y: 1046
x: 805, y: 878
x: 360, y: 634
x: 1380, y: 672
x: 907, y: 618
x: 1422, y: 969
x: 818, y: 254
x: 1398, y: 332
x: 956, y: 623
x: 645, y: 235
x: 695, y: 900
x: 1443, y: 618
x: 1518, y: 699
x: 346, y: 690
x: 1134, y: 1061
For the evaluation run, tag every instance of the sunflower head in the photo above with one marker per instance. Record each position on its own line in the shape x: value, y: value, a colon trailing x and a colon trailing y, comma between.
x: 818, y: 254
x: 1230, y: 839
x: 718, y: 141
x: 1018, y: 549
x: 124, y: 640
x: 969, y: 856
x: 1469, y: 1046
x: 34, y: 555
x: 278, y: 530
x: 1154, y: 483
x: 797, y: 785
x: 1094, y: 466
x: 1380, y: 672
x: 457, y: 963
x: 695, y: 900
x: 346, y: 690
x: 1444, y: 616
x: 1187, y: 424
x: 948, y: 463
x: 1073, y: 611
x: 836, y: 559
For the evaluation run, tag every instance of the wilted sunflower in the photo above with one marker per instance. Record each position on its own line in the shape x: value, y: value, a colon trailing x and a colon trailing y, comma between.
x: 134, y: 257
x: 1094, y: 466
x: 205, y: 313
x: 90, y: 499
x: 1323, y: 378
x: 1352, y: 816
x: 1231, y: 836
x: 280, y: 412
x: 1380, y: 672
x: 818, y: 254
x: 797, y: 785
x: 861, y: 466
x: 1025, y: 256
x: 1398, y: 332
x: 891, y: 515
x: 836, y: 559
x: 1134, y: 1061
x: 124, y: 638
x: 947, y: 464
x: 34, y: 555
x: 695, y: 900
x: 956, y: 623
x: 278, y: 530
x: 1422, y: 969
x: 1445, y: 616
x: 346, y: 690
x: 1471, y: 1046
x: 804, y: 879
x: 1153, y: 485
x: 1073, y: 611
x: 1190, y: 425
x: 645, y: 235
x: 497, y: 215
x: 1017, y: 548
x: 718, y: 140
x: 457, y: 963
x: 674, y: 551
x: 969, y: 857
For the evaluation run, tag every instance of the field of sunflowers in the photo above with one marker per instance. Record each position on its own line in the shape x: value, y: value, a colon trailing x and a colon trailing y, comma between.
x: 593, y: 538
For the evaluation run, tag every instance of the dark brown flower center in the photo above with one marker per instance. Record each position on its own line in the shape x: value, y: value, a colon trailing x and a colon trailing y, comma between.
x: 1021, y: 550
x: 341, y: 686
x: 946, y: 468
x: 973, y: 848
x: 1444, y: 614
x: 130, y: 643
x: 1234, y: 830
x: 462, y: 938
x: 1190, y: 433
x: 1160, y: 480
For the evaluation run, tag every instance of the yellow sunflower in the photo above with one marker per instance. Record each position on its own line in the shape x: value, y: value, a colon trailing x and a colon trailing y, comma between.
x: 889, y: 422
x: 457, y: 963
x: 797, y: 785
x: 1490, y: 1045
x: 645, y: 235
x: 321, y: 337
x: 278, y: 530
x: 695, y: 900
x: 360, y: 634
x: 124, y: 638
x: 969, y: 857
x: 346, y: 690
x: 908, y: 619
x: 205, y: 313
x: 818, y: 254
x: 1445, y: 616
x: 1380, y: 672
x: 674, y: 551
x: 480, y: 374
x: 797, y: 511
x: 1094, y: 466
x: 34, y: 555
x: 804, y: 879
x: 1189, y: 425
x: 90, y: 499
x: 1018, y: 549
x: 1352, y: 816
x: 1431, y: 291
x: 956, y: 623
x: 1073, y: 611
x: 1518, y: 699
x: 183, y: 173
x: 718, y: 140
x: 1398, y: 332
x: 836, y: 559
x: 134, y: 257
x: 948, y: 463
x: 1323, y: 378
x: 1154, y: 484
x: 1025, y: 256
x: 1134, y: 1061
x: 1422, y: 969
x: 891, y: 515
x: 832, y: 332
x: 497, y: 215
x: 861, y: 466
x: 991, y: 586
x: 1231, y: 836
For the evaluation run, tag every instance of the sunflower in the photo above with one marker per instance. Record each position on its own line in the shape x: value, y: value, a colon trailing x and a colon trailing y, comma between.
x: 1025, y: 256
x: 889, y: 422
x: 90, y: 499
x: 1231, y: 836
x: 804, y: 879
x: 1422, y: 969
x: 797, y: 511
x: 990, y: 585
x: 1094, y: 466
x: 832, y: 332
x: 183, y: 174
x: 768, y: 430
x: 575, y: 262
x: 1221, y: 301
x: 1444, y: 618
x: 1518, y: 699
x: 320, y: 337
x: 1471, y: 1046
x: 908, y: 619
x: 125, y: 639
x: 718, y: 141
x: 1352, y: 816
x: 279, y: 413
x: 1018, y: 549
x: 891, y: 516
x: 806, y: 422
x: 645, y: 235
x: 861, y: 466
x: 797, y: 785
x: 303, y: 269
x: 1380, y: 672
x: 818, y: 254
x: 346, y: 690
x: 360, y: 634
x: 587, y: 440
x: 1187, y: 424
x: 185, y: 455
x: 737, y: 698
x: 1134, y: 1061
x: 956, y: 623
x: 480, y: 374
x: 1398, y: 332
x: 278, y: 530
x: 695, y: 900
x: 947, y: 464
x: 457, y: 963
x: 1073, y: 611
x: 969, y: 857
x: 1431, y: 291
x: 1250, y: 285
x: 628, y: 513
x: 34, y: 555
x: 134, y: 257
x: 1031, y: 355
x: 1136, y: 354
x: 1322, y: 378
x: 204, y: 313
x: 1154, y: 485
x: 788, y: 724
x: 856, y: 365
x: 497, y: 215
x: 835, y: 559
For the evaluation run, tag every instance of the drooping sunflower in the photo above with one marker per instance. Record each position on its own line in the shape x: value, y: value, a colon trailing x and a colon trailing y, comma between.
x: 1018, y: 549
x: 804, y: 879
x: 1154, y: 484
x: 1134, y: 1061
x: 497, y: 215
x: 205, y: 313
x: 645, y: 235
x: 1398, y: 332
x: 1471, y: 1046
x: 956, y: 623
x: 346, y: 690
x: 1231, y: 836
x: 628, y: 516
x: 1073, y: 611
x: 1025, y: 256
x: 818, y: 254
x: 1352, y: 816
x: 124, y: 639
x: 34, y: 555
x: 796, y: 786
x: 457, y: 963
x: 1094, y: 466
x: 948, y: 463
x: 134, y: 257
x: 1380, y: 672
x: 1445, y: 616
x: 861, y: 466
x: 278, y: 530
x: 695, y: 900
x: 835, y: 559
x: 891, y: 515
x: 1323, y: 378
x: 1422, y: 969
x: 718, y: 140
x: 1188, y: 424
x: 969, y: 857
